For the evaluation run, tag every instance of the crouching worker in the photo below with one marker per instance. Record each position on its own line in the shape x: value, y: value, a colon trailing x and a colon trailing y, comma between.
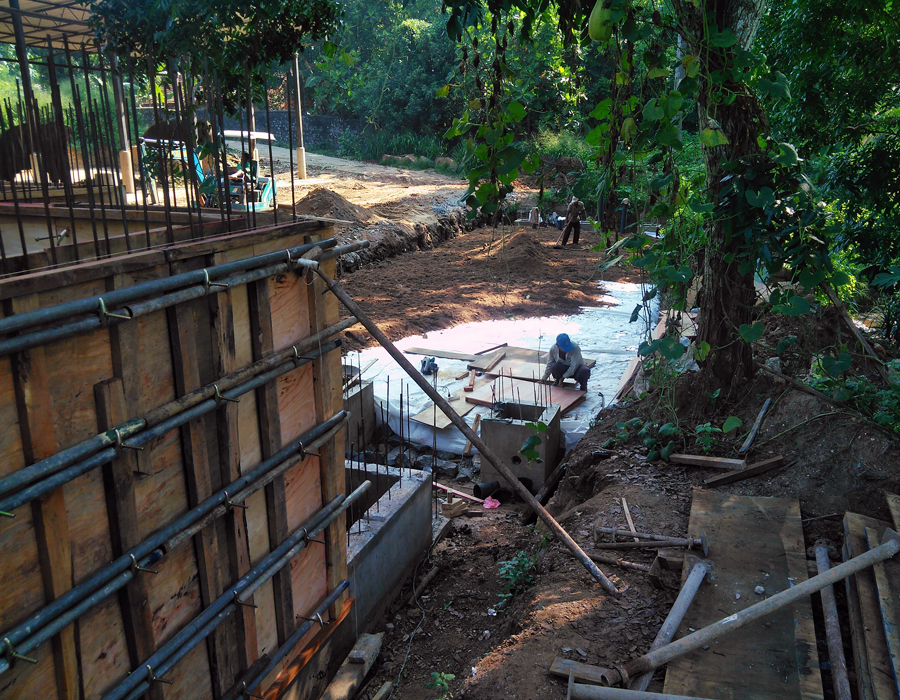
x: 565, y: 362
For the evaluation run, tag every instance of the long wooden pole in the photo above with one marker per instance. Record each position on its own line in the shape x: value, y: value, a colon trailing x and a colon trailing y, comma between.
x: 457, y: 420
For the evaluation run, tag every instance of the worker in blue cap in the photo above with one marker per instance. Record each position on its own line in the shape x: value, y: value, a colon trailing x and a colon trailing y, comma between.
x: 565, y: 361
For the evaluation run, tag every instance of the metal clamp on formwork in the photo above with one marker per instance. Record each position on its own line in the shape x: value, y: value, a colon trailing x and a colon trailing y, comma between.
x: 106, y: 315
x: 297, y: 356
x: 231, y: 503
x: 135, y: 567
x: 11, y: 652
x: 246, y: 691
x: 242, y: 602
x: 304, y: 454
x: 207, y: 284
x: 153, y: 678
x: 219, y: 398
x: 315, y: 618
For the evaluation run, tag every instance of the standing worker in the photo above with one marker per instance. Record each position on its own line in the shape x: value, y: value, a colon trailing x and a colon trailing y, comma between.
x: 573, y: 222
x: 565, y: 361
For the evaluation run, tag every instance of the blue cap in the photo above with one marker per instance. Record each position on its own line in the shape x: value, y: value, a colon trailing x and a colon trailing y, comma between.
x: 562, y: 340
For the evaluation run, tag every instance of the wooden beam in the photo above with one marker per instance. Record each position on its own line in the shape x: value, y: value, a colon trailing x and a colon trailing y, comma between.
x: 124, y: 527
x: 327, y: 378
x: 227, y: 436
x: 261, y: 334
x: 35, y: 410
x: 708, y: 462
x: 741, y: 474
x: 185, y: 362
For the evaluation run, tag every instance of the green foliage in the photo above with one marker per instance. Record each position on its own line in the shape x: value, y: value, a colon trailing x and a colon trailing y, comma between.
x: 529, y: 446
x: 881, y: 404
x: 518, y: 574
x: 440, y: 681
x: 658, y: 439
x: 705, y: 436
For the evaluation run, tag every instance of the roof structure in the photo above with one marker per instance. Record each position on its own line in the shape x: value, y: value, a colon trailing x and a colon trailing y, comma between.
x: 57, y: 21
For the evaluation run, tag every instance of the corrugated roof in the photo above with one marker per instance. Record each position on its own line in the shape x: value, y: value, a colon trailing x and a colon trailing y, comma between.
x: 55, y: 20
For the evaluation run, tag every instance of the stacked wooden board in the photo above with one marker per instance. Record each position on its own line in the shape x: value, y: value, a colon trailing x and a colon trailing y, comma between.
x: 874, y: 606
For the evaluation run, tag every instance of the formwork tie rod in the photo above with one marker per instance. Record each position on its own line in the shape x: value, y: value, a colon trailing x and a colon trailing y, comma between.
x: 455, y: 418
x: 138, y: 682
x: 659, y: 657
x: 76, y: 601
x: 114, y: 437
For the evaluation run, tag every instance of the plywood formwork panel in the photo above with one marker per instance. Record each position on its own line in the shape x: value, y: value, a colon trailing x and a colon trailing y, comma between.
x: 31, y: 681
x: 88, y: 524
x: 162, y: 496
x: 296, y: 403
x: 174, y: 592
x: 303, y: 487
x: 11, y: 456
x: 21, y: 591
x: 104, y: 652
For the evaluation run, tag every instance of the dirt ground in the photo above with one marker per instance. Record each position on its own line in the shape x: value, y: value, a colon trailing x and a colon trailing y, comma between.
x: 461, y: 626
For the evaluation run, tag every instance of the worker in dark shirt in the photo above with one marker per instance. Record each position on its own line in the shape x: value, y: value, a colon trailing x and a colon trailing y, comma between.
x: 573, y: 222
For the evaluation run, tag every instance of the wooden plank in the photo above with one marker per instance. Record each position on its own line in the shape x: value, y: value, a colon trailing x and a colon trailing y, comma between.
x: 11, y: 456
x: 709, y: 462
x: 36, y: 411
x: 437, y: 418
x: 505, y: 389
x: 328, y: 375
x: 857, y: 635
x: 583, y: 673
x: 893, y: 501
x: 757, y: 542
x: 491, y: 349
x: 270, y: 442
x: 493, y: 363
x: 444, y: 354
x: 628, y: 518
x: 125, y: 530
x: 351, y: 674
x: 475, y: 423
x: 741, y: 474
x: 627, y: 376
x: 182, y: 329
x: 887, y: 583
x: 228, y: 439
x: 873, y: 638
x: 524, y: 363
x: 471, y: 385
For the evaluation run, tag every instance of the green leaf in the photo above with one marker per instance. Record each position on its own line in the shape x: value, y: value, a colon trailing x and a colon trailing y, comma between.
x: 785, y: 343
x: 887, y: 279
x: 651, y: 294
x: 652, y: 455
x: 657, y: 73
x: 762, y: 199
x: 671, y: 349
x: 752, y: 333
x: 731, y: 423
x: 635, y: 314
x: 691, y: 66
x: 667, y: 451
x: 634, y: 423
x: 646, y: 349
x: 682, y: 274
x: 723, y: 39
x: 668, y: 429
x: 443, y: 92
x: 836, y: 367
x: 811, y: 278
x: 777, y: 87
x: 787, y: 155
x: 702, y: 351
x: 531, y: 442
x: 713, y: 137
x: 796, y: 306
x: 698, y: 207
x: 601, y: 111
x: 652, y: 111
x: 516, y: 111
x: 658, y: 183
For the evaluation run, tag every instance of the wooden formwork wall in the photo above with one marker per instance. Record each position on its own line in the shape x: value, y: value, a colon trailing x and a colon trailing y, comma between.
x: 60, y: 394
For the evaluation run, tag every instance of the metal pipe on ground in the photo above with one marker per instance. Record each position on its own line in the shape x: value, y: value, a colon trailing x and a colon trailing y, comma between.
x: 69, y: 456
x: 582, y: 691
x: 91, y: 305
x: 106, y: 315
x: 138, y: 681
x: 486, y: 451
x: 839, y: 677
x: 64, y: 610
x: 675, y: 616
x: 659, y: 657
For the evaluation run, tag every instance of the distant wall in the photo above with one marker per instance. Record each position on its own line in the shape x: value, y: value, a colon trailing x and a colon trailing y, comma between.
x: 317, y: 129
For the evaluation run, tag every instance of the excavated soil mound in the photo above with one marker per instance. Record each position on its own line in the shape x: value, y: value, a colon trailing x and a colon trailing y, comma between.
x: 325, y: 203
x: 521, y: 251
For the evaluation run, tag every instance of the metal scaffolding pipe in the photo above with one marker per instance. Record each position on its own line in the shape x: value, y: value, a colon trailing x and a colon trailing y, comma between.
x: 59, y: 478
x: 675, y: 616
x: 138, y: 681
x: 839, y: 678
x: 476, y: 441
x: 654, y: 659
x: 298, y: 634
x: 57, y: 615
x: 582, y: 691
x: 67, y: 457
x: 91, y: 305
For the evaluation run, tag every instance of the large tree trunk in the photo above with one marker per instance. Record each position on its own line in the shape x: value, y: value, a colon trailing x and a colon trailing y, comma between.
x: 727, y: 295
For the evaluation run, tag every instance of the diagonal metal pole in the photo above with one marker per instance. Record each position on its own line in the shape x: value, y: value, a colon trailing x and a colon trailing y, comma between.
x: 454, y: 417
x: 659, y: 657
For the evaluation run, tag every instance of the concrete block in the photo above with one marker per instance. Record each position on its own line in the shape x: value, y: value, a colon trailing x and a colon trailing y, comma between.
x: 506, y: 435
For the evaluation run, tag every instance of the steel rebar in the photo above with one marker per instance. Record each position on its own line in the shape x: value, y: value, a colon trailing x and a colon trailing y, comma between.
x: 477, y: 442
